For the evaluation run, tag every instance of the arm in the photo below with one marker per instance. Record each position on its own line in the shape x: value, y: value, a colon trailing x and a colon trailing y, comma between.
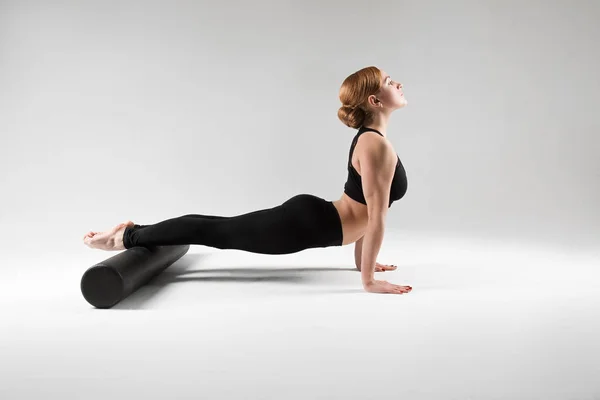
x: 371, y: 247
x: 358, y: 252
x: 378, y: 162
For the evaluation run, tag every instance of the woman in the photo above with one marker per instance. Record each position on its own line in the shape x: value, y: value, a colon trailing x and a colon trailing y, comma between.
x: 376, y: 178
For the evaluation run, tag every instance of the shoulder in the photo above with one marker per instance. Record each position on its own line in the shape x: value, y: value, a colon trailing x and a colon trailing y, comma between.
x: 372, y: 144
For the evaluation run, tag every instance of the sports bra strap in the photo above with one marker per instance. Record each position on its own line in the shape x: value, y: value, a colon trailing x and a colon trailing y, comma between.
x: 361, y: 130
x: 365, y: 129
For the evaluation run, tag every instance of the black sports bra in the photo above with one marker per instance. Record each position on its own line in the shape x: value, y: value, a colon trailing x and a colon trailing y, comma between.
x: 353, y: 186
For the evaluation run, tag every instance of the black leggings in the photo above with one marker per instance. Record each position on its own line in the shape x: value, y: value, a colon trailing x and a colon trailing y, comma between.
x: 302, y: 222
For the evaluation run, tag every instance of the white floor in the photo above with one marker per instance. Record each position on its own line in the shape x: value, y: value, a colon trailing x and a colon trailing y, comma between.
x: 485, y: 320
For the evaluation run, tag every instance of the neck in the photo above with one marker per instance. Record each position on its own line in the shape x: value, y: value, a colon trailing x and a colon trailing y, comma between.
x: 380, y: 122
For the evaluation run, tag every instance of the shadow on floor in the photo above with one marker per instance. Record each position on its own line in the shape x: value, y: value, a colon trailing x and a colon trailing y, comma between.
x: 181, y: 271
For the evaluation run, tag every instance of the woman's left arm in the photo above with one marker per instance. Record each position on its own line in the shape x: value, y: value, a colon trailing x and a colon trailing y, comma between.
x: 358, y: 252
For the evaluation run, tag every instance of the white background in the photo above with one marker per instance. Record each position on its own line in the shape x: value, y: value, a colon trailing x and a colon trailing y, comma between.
x: 147, y: 110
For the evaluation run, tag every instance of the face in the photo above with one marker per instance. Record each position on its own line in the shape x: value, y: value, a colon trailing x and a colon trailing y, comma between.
x: 391, y: 94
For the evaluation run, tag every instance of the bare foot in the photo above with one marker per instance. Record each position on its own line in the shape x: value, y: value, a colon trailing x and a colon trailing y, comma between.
x: 108, y: 240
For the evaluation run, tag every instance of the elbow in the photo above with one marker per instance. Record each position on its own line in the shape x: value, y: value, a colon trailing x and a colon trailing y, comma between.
x: 377, y: 209
x: 375, y: 225
x: 377, y: 218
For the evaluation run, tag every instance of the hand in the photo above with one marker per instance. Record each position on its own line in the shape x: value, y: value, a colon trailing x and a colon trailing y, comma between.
x: 386, y: 287
x: 382, y: 267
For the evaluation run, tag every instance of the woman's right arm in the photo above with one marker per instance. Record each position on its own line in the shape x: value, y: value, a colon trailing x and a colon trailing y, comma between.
x: 371, y: 246
x: 377, y: 163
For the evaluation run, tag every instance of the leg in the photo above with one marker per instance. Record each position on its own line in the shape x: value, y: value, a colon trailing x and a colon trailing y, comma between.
x: 302, y: 222
x: 136, y: 226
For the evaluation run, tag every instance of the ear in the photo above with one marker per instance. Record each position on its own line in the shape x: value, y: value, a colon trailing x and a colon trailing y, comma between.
x: 372, y: 100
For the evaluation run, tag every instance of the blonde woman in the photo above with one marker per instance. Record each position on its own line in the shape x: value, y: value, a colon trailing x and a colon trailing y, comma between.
x: 376, y: 178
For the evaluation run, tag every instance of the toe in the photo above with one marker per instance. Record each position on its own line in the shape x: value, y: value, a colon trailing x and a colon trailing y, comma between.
x: 89, y: 234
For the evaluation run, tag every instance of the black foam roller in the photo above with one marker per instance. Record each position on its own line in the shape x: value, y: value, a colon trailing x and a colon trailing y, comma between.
x: 105, y: 284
